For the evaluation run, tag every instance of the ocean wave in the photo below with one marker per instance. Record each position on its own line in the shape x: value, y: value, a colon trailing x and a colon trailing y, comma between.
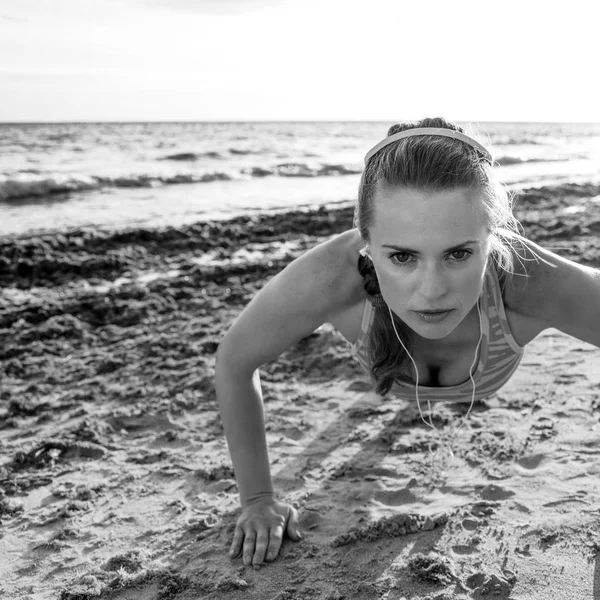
x: 258, y: 172
x: 303, y: 170
x: 517, y: 160
x: 37, y: 185
x: 20, y: 186
x: 500, y: 140
x: 193, y: 156
x: 241, y: 152
x: 326, y: 170
x: 138, y: 181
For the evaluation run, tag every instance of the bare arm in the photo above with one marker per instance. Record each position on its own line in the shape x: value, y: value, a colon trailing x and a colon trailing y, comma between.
x: 557, y: 293
x: 310, y: 291
x: 315, y: 288
x: 240, y: 404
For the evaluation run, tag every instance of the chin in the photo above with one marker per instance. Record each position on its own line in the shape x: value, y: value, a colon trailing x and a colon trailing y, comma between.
x: 431, y: 334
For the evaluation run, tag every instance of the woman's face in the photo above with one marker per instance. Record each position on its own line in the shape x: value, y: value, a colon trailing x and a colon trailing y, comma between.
x: 430, y: 252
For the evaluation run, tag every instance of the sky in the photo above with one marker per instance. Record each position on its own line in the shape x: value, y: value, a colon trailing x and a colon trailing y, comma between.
x: 237, y: 60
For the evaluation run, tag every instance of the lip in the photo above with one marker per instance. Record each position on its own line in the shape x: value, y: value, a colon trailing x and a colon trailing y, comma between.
x: 433, y: 316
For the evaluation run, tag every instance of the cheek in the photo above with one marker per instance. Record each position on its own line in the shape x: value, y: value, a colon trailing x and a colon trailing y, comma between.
x: 469, y: 282
x: 393, y: 283
x: 472, y: 275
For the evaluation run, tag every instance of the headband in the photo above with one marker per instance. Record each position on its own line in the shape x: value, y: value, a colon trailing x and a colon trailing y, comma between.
x: 456, y: 135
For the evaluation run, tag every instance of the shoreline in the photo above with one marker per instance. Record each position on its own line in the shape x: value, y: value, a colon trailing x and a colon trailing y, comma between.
x: 59, y: 258
x: 519, y: 188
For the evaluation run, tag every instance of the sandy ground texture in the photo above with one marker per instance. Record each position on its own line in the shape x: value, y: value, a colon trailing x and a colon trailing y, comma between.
x: 115, y: 480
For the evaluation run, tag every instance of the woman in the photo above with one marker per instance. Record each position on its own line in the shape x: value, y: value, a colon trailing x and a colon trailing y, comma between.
x: 435, y: 290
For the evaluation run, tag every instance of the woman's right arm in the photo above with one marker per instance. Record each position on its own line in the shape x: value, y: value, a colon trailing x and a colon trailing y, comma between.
x: 312, y: 290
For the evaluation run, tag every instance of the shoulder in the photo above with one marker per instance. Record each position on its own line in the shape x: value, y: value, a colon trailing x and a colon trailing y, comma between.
x: 320, y: 286
x: 547, y: 290
x: 339, y: 251
x: 348, y: 296
x: 329, y: 270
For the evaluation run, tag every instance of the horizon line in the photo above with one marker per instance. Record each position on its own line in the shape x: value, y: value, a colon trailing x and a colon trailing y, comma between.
x: 227, y: 121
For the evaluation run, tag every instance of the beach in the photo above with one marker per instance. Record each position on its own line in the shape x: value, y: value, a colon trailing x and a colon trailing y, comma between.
x: 116, y: 482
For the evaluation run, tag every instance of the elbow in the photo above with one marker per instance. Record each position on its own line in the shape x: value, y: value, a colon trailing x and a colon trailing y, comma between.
x: 226, y: 352
x: 230, y: 361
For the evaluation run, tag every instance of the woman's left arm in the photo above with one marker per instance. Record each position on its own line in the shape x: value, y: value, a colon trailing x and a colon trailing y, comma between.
x: 556, y: 292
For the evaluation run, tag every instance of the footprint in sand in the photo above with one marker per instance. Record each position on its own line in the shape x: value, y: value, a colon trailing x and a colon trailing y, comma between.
x: 376, y: 473
x: 464, y: 549
x: 141, y: 422
x: 290, y: 436
x: 484, y: 584
x: 359, y: 386
x: 396, y: 497
x: 309, y: 519
x: 471, y: 524
x: 495, y: 492
x: 293, y: 433
x: 532, y: 462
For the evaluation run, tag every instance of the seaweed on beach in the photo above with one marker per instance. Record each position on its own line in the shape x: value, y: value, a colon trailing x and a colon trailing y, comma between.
x: 61, y: 258
x: 432, y: 567
x: 8, y: 507
x: 387, y: 527
x: 126, y: 572
x: 48, y: 452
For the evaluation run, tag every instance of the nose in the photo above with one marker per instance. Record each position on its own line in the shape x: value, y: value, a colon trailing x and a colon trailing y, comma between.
x: 432, y: 283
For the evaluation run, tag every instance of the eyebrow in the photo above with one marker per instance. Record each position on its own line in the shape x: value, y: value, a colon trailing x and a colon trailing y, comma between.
x: 411, y: 251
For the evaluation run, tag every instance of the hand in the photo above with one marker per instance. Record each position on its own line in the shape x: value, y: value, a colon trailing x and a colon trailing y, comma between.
x: 260, y: 528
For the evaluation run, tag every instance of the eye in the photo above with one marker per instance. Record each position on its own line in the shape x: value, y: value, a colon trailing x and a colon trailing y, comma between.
x: 400, y: 258
x: 460, y: 255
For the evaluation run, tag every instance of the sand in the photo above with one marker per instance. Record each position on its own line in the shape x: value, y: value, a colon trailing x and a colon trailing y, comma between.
x: 115, y: 480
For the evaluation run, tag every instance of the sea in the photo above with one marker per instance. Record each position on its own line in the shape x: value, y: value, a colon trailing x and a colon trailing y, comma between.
x: 107, y: 176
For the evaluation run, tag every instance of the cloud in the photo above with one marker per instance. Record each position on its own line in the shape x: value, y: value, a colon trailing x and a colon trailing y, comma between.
x: 214, y: 7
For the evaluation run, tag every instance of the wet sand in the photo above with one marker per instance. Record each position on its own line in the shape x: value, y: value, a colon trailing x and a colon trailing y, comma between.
x: 115, y: 481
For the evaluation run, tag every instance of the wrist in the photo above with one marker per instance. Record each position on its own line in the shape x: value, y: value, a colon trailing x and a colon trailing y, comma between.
x: 258, y: 498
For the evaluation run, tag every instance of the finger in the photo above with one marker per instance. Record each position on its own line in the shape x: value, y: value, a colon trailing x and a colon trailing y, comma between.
x: 293, y: 527
x: 249, y: 541
x: 275, y: 537
x: 262, y: 541
x: 236, y: 544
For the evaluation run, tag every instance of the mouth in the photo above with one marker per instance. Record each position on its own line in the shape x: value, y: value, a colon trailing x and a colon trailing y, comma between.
x: 433, y: 315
